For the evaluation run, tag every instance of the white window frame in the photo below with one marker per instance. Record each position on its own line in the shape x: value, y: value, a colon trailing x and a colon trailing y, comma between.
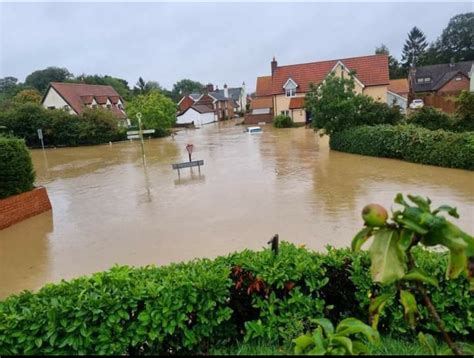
x: 291, y: 92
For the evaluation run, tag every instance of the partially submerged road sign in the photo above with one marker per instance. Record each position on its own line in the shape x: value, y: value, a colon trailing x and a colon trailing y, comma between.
x: 146, y: 131
x: 196, y: 163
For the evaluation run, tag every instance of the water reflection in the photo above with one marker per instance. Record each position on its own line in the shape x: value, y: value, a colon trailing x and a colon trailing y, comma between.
x: 25, y: 254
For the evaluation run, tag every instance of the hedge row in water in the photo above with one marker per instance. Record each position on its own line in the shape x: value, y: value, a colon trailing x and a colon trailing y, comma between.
x: 16, y: 169
x: 408, y: 142
x: 193, y: 306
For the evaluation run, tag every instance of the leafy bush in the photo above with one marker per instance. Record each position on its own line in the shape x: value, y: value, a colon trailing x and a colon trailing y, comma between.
x: 60, y: 128
x: 335, y: 106
x: 431, y: 118
x: 192, y: 306
x: 16, y: 170
x: 282, y: 121
x: 408, y: 142
x: 465, y: 111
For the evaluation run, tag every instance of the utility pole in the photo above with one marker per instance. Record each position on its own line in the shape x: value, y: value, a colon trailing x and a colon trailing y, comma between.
x: 139, y: 117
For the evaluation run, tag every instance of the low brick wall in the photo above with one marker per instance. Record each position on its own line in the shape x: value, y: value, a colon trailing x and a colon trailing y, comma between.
x: 19, y: 207
x: 256, y: 118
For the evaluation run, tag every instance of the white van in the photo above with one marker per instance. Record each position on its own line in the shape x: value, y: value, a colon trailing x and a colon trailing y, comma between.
x: 253, y: 130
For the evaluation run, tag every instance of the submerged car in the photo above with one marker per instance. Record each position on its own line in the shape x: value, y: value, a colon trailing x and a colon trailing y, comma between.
x: 417, y: 103
x: 253, y: 130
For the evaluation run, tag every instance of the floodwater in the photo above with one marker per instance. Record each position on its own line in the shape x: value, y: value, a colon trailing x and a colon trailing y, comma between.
x: 109, y: 209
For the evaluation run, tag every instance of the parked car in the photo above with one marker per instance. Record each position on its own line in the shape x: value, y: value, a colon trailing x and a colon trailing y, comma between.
x: 253, y: 130
x: 417, y: 103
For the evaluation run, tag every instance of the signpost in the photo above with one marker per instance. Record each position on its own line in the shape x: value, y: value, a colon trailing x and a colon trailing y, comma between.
x: 40, y: 136
x: 139, y: 134
x: 190, y: 148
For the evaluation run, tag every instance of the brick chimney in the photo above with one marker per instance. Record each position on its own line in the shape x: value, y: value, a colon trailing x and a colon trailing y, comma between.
x: 210, y: 87
x: 274, y: 65
x: 226, y: 90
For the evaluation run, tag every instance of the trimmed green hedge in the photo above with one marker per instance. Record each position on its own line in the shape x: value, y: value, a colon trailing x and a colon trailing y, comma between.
x: 432, y: 118
x: 16, y: 169
x: 408, y: 142
x: 193, y: 306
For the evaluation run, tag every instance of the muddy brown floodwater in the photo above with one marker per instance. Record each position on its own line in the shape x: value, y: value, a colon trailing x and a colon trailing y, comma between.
x: 108, y: 209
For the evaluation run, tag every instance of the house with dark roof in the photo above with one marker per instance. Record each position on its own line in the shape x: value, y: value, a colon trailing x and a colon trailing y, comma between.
x: 439, y: 85
x: 237, y: 94
x: 288, y: 85
x: 76, y: 97
x: 447, y: 78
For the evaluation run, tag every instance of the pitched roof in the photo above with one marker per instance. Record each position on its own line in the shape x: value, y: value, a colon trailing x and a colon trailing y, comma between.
x: 296, y: 102
x: 195, y: 96
x: 399, y: 86
x: 77, y: 95
x: 440, y: 74
x: 234, y: 93
x: 262, y: 102
x: 202, y: 108
x: 370, y: 70
x: 218, y: 96
x: 264, y: 86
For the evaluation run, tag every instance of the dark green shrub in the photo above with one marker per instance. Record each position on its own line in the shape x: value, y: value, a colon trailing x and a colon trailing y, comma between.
x: 431, y: 118
x: 93, y: 126
x: 16, y: 170
x: 192, y: 306
x: 282, y: 121
x: 411, y: 143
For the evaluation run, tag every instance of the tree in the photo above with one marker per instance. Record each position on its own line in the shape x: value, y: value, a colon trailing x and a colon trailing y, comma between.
x: 456, y: 41
x: 186, y: 86
x: 395, y: 70
x: 158, y: 111
x: 40, y: 79
x: 144, y: 87
x: 9, y: 87
x: 119, y: 84
x: 414, y: 48
x: 28, y: 96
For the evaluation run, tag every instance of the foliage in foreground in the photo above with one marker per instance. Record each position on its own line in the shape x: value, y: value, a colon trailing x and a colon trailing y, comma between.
x: 194, y: 306
x: 16, y: 169
x: 394, y: 266
x: 410, y: 143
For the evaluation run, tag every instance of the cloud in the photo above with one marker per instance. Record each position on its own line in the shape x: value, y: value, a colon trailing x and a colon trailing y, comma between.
x: 209, y: 42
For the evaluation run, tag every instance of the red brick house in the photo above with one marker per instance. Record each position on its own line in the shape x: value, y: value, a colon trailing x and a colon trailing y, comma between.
x: 439, y: 85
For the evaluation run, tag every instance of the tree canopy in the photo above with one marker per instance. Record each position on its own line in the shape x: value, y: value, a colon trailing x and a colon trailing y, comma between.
x: 40, y: 79
x: 414, y: 49
x: 158, y: 111
x: 186, y: 86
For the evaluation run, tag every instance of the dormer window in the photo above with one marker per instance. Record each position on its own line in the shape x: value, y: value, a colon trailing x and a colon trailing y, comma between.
x: 423, y: 80
x: 109, y: 106
x: 290, y: 88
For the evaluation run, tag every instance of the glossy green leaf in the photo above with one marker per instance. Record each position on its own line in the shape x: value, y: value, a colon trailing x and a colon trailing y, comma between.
x: 421, y: 276
x: 449, y: 209
x: 376, y: 308
x: 411, y: 225
x: 388, y: 261
x: 359, y: 348
x: 400, y: 200
x: 406, y: 238
x: 303, y: 342
x: 344, y: 342
x: 428, y: 342
x: 361, y: 237
x: 325, y: 324
x: 352, y: 326
x: 422, y: 203
x: 409, y: 304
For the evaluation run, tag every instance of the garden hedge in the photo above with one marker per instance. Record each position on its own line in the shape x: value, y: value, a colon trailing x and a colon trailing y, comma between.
x: 191, y: 307
x: 16, y: 169
x: 408, y: 142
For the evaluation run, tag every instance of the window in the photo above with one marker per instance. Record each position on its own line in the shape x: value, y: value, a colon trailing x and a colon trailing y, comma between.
x: 285, y: 113
x: 290, y: 92
x: 66, y: 107
x: 94, y: 106
x: 109, y: 106
x: 51, y: 107
x: 423, y: 80
x: 458, y: 78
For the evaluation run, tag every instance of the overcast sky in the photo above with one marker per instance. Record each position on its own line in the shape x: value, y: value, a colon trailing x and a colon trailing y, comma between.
x: 207, y: 42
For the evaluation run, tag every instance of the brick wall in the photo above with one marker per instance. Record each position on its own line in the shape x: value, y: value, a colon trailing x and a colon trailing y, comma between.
x: 22, y: 206
x: 256, y: 118
x: 456, y: 86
